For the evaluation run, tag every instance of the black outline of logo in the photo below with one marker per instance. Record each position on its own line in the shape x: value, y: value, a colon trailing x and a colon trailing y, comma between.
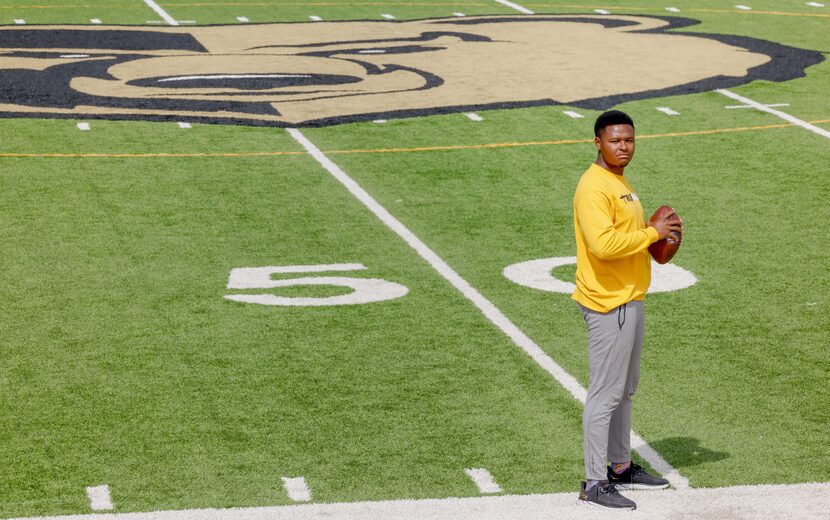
x: 785, y: 63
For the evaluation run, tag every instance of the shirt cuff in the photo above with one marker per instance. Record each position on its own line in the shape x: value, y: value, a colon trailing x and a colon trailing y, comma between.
x: 653, y: 235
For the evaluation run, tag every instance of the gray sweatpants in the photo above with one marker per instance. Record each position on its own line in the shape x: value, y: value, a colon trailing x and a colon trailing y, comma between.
x: 615, y: 342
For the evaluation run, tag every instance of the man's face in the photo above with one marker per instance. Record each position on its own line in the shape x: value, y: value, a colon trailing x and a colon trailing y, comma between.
x: 616, y: 145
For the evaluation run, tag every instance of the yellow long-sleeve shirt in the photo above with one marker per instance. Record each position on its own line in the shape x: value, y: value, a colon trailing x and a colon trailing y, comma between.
x: 613, y: 266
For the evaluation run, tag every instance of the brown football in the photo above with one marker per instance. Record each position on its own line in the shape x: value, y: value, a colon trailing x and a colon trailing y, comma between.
x: 663, y: 250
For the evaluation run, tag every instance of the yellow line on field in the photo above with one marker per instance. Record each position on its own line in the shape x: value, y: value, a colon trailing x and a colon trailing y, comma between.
x: 462, y: 147
x: 401, y: 150
x: 146, y: 155
x: 564, y: 141
x: 84, y: 6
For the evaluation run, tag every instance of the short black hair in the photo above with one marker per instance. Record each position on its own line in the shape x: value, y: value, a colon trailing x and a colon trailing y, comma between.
x: 612, y: 117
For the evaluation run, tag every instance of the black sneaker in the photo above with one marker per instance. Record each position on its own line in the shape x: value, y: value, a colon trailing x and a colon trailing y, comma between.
x: 606, y: 495
x: 635, y: 477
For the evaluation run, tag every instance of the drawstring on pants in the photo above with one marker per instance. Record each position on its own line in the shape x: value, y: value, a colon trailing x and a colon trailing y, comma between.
x: 621, y: 315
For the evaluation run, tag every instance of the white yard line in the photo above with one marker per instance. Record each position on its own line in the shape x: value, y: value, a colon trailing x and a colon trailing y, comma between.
x: 572, y: 114
x: 473, y: 116
x: 484, y: 305
x: 792, y: 502
x: 783, y: 115
x: 297, y: 489
x: 517, y: 7
x: 769, y: 105
x: 668, y: 111
x: 483, y: 480
x: 99, y: 498
x: 161, y: 12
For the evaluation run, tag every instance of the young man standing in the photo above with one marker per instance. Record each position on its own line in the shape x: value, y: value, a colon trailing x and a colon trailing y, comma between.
x: 613, y: 272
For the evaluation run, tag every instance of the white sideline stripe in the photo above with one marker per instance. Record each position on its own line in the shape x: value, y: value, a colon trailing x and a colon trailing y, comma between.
x: 572, y: 114
x: 786, y: 117
x: 668, y: 111
x: 815, y: 4
x: 19, y: 21
x: 459, y: 14
x: 486, y: 306
x: 297, y: 489
x: 243, y: 19
x: 315, y: 18
x: 743, y: 7
x: 83, y: 126
x: 388, y: 16
x: 379, y: 121
x: 672, y: 9
x: 473, y: 116
x: 96, y: 21
x: 161, y: 12
x: 517, y: 7
x: 484, y: 481
x: 602, y: 11
x: 99, y: 498
x: 764, y: 502
x: 184, y: 125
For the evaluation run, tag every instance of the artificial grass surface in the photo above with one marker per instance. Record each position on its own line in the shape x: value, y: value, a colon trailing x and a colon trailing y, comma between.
x: 123, y: 364
x: 751, y: 318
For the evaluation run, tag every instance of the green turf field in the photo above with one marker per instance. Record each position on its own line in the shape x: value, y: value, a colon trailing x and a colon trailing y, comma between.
x: 124, y: 364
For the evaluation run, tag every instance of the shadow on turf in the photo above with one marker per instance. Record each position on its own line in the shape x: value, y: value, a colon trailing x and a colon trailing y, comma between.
x: 687, y: 451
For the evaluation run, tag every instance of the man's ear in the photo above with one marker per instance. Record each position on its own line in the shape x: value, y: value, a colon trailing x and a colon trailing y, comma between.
x: 596, y: 141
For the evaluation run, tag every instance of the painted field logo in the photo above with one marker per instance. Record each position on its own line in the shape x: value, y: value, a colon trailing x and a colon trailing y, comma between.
x: 324, y: 73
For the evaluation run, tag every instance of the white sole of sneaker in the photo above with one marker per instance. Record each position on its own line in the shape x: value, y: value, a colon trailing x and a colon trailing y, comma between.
x: 639, y: 486
x: 585, y: 503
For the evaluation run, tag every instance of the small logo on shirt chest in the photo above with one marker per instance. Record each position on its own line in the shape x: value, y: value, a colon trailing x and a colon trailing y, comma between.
x: 629, y: 197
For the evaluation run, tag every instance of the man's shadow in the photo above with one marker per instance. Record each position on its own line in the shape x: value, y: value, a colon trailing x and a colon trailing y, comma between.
x: 686, y: 451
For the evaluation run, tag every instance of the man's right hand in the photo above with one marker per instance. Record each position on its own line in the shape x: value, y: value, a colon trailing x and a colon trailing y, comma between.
x: 667, y: 224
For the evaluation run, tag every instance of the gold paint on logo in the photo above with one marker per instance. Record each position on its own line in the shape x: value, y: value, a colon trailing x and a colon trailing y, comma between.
x: 331, y: 72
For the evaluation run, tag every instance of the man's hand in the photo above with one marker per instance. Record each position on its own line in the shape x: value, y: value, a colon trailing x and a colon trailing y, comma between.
x: 667, y: 224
